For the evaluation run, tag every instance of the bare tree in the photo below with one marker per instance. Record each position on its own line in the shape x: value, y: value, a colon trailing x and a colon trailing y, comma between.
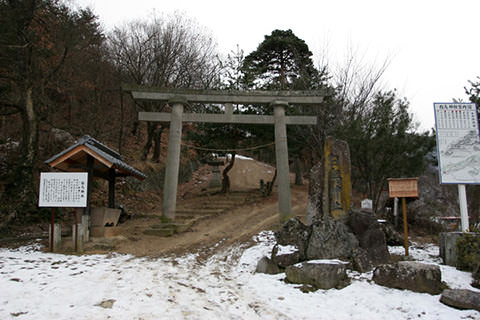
x: 168, y: 52
x: 351, y: 90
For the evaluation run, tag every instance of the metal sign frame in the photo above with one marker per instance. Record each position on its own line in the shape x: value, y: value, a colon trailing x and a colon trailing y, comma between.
x: 458, y: 142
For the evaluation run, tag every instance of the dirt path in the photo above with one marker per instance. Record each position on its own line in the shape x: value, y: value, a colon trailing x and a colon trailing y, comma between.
x: 234, y: 225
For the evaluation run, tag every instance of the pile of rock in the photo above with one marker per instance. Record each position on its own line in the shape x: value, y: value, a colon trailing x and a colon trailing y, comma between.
x: 352, y: 238
x: 319, y: 254
x: 337, y: 238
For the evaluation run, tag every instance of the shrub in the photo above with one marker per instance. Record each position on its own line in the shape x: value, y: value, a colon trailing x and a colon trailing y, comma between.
x: 468, y: 252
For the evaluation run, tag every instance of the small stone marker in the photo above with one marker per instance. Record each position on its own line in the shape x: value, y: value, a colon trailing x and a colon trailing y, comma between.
x: 367, y: 204
x: 215, y: 181
x: 57, y: 236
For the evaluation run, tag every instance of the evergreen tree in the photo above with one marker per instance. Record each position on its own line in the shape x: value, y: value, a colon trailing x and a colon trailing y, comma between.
x: 383, y: 144
x: 473, y: 191
x: 284, y: 62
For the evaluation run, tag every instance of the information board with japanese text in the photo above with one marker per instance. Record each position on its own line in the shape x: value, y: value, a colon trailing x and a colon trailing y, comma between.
x: 63, y: 189
x: 458, y: 142
x: 403, y: 187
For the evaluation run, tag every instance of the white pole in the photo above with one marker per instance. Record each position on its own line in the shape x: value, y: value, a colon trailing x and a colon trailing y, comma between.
x: 395, y: 211
x: 462, y: 198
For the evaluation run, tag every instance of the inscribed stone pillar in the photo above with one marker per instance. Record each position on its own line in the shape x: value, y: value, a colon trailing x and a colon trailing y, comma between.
x: 337, y: 195
x: 281, y: 153
x: 173, y: 159
x: 330, y: 190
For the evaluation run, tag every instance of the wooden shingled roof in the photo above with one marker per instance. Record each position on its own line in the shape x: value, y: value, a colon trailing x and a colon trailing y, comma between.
x: 74, y: 159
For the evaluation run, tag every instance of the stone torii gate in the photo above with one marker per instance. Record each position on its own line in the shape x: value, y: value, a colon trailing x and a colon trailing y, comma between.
x: 177, y: 99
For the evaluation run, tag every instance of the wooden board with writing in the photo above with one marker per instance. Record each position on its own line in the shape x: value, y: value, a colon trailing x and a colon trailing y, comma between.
x: 403, y: 188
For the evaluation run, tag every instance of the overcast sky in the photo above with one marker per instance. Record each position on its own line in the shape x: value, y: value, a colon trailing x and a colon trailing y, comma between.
x: 432, y: 46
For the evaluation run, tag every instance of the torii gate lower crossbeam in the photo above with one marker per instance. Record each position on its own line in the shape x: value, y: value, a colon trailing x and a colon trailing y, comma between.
x: 176, y: 117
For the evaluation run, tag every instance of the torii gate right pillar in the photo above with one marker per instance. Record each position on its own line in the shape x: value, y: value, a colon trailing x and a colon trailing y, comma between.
x: 281, y: 155
x: 173, y: 159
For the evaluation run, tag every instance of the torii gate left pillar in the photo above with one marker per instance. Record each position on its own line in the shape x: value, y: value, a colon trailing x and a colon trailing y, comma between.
x: 281, y: 158
x: 173, y: 159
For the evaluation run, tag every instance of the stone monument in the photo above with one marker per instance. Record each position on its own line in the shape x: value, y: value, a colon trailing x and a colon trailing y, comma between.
x: 330, y: 191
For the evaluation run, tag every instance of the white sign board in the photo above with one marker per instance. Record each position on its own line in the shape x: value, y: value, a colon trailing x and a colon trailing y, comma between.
x: 367, y: 204
x: 59, y: 189
x: 458, y: 142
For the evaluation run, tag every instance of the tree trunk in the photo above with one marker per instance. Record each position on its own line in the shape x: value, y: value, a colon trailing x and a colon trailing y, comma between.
x: 31, y: 134
x: 298, y: 171
x: 148, y: 145
x: 270, y: 184
x: 226, y: 178
x: 157, y: 139
x: 120, y: 134
x: 20, y: 193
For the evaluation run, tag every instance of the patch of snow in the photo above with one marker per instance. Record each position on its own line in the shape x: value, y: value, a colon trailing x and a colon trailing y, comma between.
x: 239, y: 156
x: 428, y: 253
x: 38, y: 285
x: 286, y: 249
x: 327, y: 261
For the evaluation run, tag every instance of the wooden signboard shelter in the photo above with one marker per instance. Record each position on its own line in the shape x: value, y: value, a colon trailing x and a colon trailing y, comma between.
x: 91, y: 156
x: 403, y: 188
x: 177, y: 99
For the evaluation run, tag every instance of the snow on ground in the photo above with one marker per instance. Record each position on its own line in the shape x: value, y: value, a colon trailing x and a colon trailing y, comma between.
x: 37, y: 285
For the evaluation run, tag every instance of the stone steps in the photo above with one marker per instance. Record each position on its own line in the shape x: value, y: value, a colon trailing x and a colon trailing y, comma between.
x: 202, y: 211
x: 166, y: 229
x: 191, y: 211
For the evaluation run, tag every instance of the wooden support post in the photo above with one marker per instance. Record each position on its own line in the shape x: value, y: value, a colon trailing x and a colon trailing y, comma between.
x: 76, y: 230
x: 90, y: 161
x: 405, y: 225
x: 111, y: 188
x: 52, y: 231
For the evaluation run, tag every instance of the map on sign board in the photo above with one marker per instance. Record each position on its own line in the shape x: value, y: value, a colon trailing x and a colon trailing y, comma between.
x: 458, y: 142
x: 62, y: 189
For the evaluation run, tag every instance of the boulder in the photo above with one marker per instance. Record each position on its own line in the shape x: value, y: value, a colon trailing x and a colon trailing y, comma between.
x: 371, y: 238
x: 476, y: 277
x: 360, y: 261
x: 285, y: 256
x: 331, y: 239
x: 461, y: 299
x: 392, y: 236
x: 265, y: 265
x: 294, y: 233
x: 321, y: 274
x: 410, y: 275
x: 315, y: 194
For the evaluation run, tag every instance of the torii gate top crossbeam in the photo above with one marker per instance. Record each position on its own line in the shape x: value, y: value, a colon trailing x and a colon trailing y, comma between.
x: 227, y: 96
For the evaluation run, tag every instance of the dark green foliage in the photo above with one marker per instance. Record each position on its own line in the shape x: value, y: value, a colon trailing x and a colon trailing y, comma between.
x: 473, y: 191
x: 468, y: 252
x: 384, y: 145
x: 281, y: 62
